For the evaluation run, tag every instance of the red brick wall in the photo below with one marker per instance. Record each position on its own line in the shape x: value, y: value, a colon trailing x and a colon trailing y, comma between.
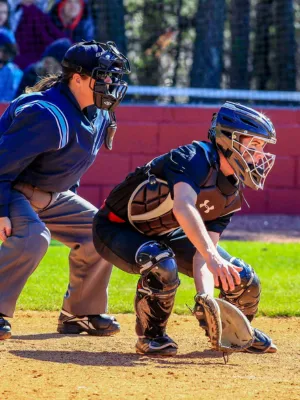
x: 145, y: 131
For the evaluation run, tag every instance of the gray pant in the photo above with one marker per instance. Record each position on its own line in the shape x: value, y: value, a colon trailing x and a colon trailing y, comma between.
x: 68, y: 220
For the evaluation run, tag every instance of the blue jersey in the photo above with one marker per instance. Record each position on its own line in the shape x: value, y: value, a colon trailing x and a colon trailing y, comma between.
x: 48, y: 141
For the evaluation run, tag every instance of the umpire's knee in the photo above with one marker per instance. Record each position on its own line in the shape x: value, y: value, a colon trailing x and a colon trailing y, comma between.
x: 37, y: 242
x: 85, y: 252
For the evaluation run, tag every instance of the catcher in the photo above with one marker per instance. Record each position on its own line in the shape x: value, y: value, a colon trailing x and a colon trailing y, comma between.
x: 168, y: 216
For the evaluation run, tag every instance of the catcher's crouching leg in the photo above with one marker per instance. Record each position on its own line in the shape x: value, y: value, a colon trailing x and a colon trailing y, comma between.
x: 246, y: 297
x: 154, y: 299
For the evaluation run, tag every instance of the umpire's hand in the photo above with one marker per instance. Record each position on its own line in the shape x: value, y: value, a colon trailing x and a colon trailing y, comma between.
x: 5, y: 228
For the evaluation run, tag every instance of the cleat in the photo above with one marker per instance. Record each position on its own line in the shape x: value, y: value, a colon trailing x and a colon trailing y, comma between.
x: 162, y: 346
x: 262, y: 343
x: 5, y: 329
x: 95, y: 325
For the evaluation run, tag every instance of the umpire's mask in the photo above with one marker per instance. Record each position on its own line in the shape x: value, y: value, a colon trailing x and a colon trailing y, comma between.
x: 105, y: 65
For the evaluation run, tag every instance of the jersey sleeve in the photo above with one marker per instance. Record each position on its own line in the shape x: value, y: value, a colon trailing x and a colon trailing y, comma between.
x: 219, y: 224
x: 186, y: 164
x: 33, y: 130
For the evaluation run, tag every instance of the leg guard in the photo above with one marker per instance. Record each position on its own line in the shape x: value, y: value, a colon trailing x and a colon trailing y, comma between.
x: 246, y: 295
x: 156, y: 289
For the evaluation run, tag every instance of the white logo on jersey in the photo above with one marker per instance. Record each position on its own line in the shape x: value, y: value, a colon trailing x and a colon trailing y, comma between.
x: 205, y: 204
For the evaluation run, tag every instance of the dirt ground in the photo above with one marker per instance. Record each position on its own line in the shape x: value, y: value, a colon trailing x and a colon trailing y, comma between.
x: 264, y: 228
x: 37, y: 363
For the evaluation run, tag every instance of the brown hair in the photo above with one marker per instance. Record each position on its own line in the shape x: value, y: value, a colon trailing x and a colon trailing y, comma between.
x: 49, y: 81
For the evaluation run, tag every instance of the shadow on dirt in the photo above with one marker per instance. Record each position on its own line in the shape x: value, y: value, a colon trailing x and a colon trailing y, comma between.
x: 41, y: 336
x: 115, y: 359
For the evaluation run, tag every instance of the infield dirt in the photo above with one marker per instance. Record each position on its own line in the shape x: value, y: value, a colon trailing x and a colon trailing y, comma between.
x: 37, y: 363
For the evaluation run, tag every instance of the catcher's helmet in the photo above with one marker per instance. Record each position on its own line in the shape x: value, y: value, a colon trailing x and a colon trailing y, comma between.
x: 99, y: 60
x: 232, y: 123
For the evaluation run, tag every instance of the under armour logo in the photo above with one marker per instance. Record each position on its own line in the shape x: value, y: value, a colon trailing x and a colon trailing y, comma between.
x: 205, y: 204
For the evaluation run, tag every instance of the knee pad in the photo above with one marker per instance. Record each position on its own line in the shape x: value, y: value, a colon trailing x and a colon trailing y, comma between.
x: 158, y: 268
x: 246, y: 295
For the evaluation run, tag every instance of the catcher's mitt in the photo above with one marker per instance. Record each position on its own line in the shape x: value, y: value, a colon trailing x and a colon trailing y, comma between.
x: 226, y: 326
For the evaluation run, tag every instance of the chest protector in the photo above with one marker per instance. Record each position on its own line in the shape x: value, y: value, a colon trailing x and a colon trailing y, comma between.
x: 150, y: 207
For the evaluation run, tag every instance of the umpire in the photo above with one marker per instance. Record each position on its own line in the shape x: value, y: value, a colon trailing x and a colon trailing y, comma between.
x: 48, y: 138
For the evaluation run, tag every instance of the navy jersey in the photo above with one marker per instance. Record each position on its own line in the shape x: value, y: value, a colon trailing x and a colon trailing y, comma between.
x: 145, y: 198
x: 46, y: 140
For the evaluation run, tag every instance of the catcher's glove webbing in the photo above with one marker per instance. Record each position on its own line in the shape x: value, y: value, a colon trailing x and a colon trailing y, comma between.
x: 226, y: 326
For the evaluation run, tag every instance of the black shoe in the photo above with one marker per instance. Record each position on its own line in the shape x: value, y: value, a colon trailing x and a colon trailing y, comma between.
x: 5, y: 329
x: 96, y: 325
x: 262, y: 343
x: 162, y: 346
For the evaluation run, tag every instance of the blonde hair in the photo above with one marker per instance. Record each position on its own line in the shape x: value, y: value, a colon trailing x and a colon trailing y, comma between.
x: 49, y: 81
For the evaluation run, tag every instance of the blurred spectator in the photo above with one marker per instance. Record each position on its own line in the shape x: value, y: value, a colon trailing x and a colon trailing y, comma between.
x: 73, y: 17
x: 49, y: 64
x: 41, y: 4
x: 34, y: 32
x: 10, y: 74
x: 5, y: 14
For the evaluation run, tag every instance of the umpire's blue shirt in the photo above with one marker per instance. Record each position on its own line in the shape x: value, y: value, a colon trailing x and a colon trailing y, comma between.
x: 48, y: 141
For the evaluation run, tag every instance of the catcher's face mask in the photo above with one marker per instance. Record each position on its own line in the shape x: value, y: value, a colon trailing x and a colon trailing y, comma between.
x: 249, y: 160
x: 241, y: 133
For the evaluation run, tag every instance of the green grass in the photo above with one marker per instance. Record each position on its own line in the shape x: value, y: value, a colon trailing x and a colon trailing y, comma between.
x: 278, y: 266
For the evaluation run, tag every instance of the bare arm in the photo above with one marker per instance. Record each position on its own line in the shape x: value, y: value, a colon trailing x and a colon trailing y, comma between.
x: 203, y: 278
x: 191, y: 222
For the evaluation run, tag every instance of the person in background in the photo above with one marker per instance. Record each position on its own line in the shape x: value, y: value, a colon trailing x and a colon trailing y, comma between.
x: 10, y: 73
x: 34, y: 32
x: 43, y: 5
x: 5, y: 14
x: 50, y: 63
x: 73, y: 18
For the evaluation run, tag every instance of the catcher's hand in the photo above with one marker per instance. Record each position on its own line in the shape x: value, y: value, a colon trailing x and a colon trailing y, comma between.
x: 226, y: 326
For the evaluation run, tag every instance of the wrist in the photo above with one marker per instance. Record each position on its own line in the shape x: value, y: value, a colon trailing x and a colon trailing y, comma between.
x: 211, y: 255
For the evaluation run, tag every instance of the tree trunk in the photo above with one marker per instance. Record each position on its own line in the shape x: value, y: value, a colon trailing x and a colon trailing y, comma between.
x: 207, y: 65
x: 285, y: 45
x: 261, y: 67
x: 152, y: 29
x: 109, y: 22
x: 240, y: 30
x: 179, y: 42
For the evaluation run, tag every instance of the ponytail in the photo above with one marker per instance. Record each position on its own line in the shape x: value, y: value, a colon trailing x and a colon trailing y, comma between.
x: 45, y: 83
x: 51, y: 80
